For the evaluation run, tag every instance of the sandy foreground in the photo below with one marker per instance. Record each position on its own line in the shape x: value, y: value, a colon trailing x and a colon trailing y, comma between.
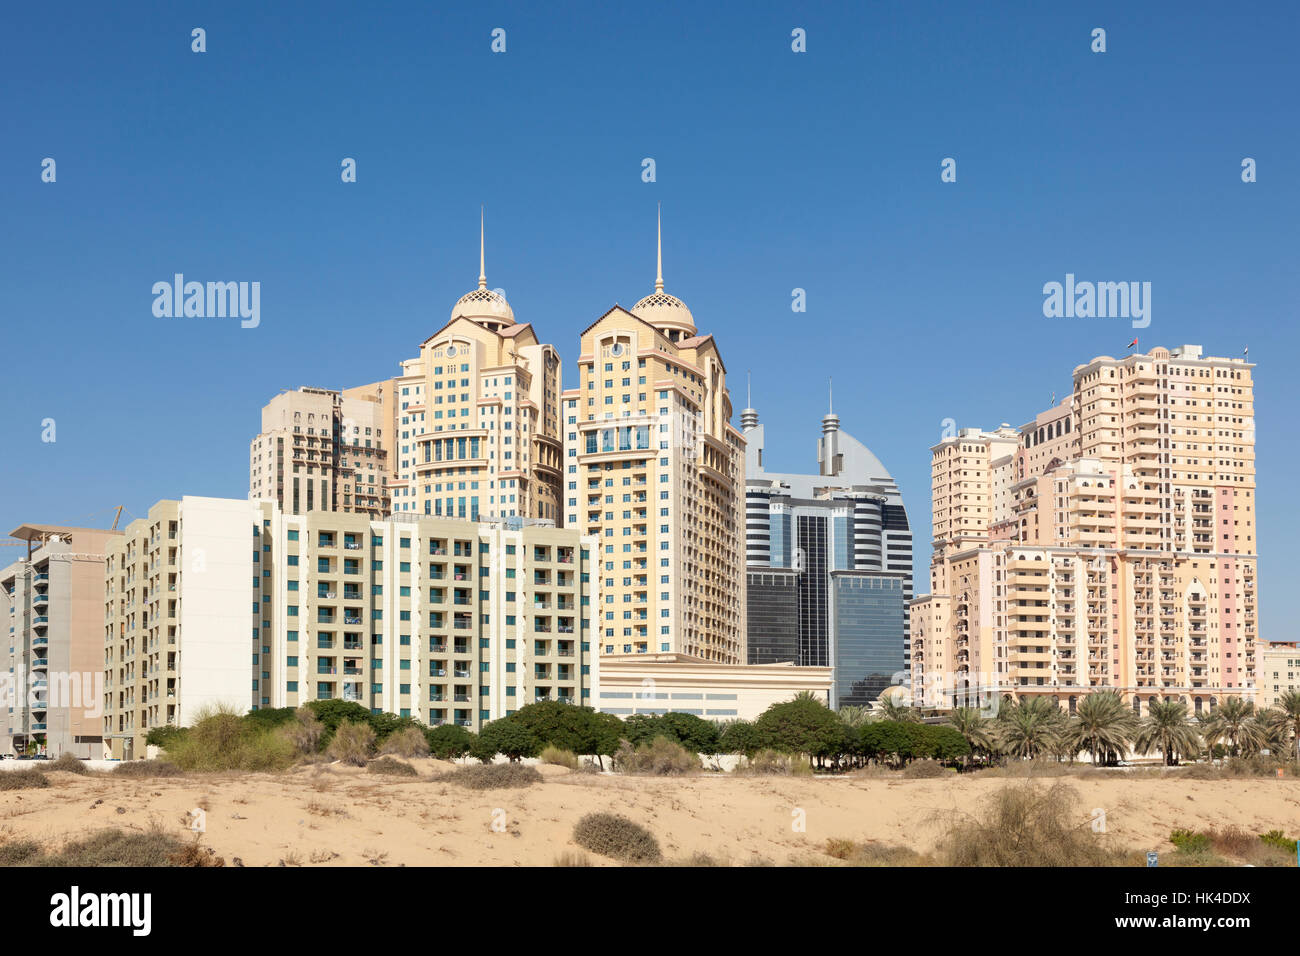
x: 340, y: 816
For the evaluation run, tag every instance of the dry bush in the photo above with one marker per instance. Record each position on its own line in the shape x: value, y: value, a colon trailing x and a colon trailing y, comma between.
x: 559, y: 757
x: 305, y: 732
x: 113, y: 847
x: 1038, y: 767
x: 392, y: 767
x: 147, y: 768
x: 840, y: 848
x: 25, y: 779
x: 491, y: 776
x: 352, y: 743
x: 192, y: 854
x: 1026, y: 825
x: 617, y: 837
x: 924, y: 770
x: 69, y: 763
x: 407, y: 742
x: 660, y: 757
x: 19, y: 852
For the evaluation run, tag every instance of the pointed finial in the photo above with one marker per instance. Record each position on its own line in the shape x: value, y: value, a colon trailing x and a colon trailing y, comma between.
x: 659, y: 274
x: 482, y: 273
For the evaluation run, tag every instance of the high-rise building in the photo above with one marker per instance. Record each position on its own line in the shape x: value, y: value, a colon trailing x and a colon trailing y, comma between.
x: 654, y: 471
x: 476, y: 417
x: 52, y: 689
x: 325, y: 450
x: 829, y: 564
x: 178, y: 600
x: 1108, y: 543
x: 213, y: 601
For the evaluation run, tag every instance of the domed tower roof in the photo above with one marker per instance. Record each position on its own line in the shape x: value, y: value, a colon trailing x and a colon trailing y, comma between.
x: 665, y: 312
x: 484, y: 305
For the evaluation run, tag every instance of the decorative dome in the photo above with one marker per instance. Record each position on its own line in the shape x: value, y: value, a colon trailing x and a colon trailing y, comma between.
x: 484, y: 304
x: 665, y: 312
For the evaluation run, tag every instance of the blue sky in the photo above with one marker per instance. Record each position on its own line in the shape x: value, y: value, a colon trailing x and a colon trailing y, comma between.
x: 776, y: 170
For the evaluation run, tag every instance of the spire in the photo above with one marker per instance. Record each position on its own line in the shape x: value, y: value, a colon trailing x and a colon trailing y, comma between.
x: 482, y: 273
x: 830, y: 421
x: 659, y: 274
x: 830, y: 395
x: 748, y: 416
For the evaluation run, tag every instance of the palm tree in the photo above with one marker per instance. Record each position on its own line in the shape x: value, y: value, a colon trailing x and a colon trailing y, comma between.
x: 1233, y: 721
x: 971, y: 723
x: 854, y: 717
x: 1273, y: 731
x: 1102, y: 725
x: 1168, y: 729
x: 895, y: 706
x: 1029, y: 727
x: 1289, y: 718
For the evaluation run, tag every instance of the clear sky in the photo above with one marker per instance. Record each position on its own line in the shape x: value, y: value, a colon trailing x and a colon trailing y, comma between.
x: 776, y: 171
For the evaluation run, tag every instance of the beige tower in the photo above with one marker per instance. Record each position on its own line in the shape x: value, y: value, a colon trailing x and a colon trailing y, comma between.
x: 1110, y: 544
x: 477, y: 417
x: 655, y: 472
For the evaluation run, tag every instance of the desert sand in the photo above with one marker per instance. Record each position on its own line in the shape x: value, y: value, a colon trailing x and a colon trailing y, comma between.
x: 341, y: 816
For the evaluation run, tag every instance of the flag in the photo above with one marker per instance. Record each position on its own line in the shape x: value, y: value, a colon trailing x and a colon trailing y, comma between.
x: 1133, y: 344
x: 1246, y: 351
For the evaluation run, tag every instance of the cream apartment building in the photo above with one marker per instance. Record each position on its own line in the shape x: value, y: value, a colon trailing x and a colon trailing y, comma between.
x: 654, y: 471
x: 178, y: 598
x: 52, y: 600
x: 477, y: 418
x: 213, y: 601
x: 325, y: 450
x: 1116, y: 551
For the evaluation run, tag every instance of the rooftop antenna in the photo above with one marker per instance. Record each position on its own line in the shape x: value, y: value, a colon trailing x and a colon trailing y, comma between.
x: 659, y: 274
x: 482, y: 272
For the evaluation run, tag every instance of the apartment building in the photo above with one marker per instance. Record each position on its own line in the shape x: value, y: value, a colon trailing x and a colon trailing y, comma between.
x: 1108, y: 543
x: 434, y: 618
x: 217, y: 601
x: 477, y: 417
x: 1277, y: 671
x: 654, y: 471
x: 325, y: 450
x: 829, y: 564
x: 53, y: 684
x: 177, y: 596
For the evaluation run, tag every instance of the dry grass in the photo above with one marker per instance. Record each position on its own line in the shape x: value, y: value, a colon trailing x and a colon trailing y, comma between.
x: 407, y: 742
x: 69, y: 764
x: 25, y: 779
x: 491, y: 776
x: 617, y: 837
x: 352, y: 744
x: 660, y: 757
x: 1026, y: 825
x: 392, y: 767
x: 111, y: 847
x: 147, y: 768
x: 559, y: 757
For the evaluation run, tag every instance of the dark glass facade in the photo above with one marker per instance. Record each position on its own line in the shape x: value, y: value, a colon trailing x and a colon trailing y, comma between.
x: 813, y: 604
x: 868, y: 622
x: 772, y: 609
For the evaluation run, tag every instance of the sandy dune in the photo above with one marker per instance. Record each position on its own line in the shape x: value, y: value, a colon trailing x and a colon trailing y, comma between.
x: 346, y: 817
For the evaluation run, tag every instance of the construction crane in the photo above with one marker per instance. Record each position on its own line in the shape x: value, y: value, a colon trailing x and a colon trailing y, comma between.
x: 117, y: 517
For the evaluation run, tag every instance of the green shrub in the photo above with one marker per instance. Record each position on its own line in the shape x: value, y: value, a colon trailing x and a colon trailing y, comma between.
x: 69, y: 763
x: 661, y: 757
x: 449, y: 741
x: 560, y: 758
x: 1277, y: 839
x: 162, y: 736
x: 147, y: 768
x: 25, y: 779
x: 492, y: 776
x: 617, y: 837
x: 1189, y: 841
x: 506, y: 737
x: 392, y: 767
x: 406, y: 742
x: 223, y: 739
x: 738, y: 737
x: 352, y: 743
